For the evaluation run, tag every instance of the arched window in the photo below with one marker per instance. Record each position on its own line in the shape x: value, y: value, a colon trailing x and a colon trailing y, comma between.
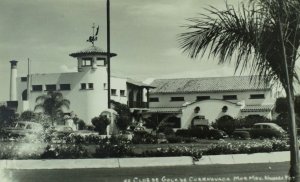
x: 24, y: 95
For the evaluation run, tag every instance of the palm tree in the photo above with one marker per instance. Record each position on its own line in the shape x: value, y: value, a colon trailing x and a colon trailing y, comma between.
x: 263, y: 37
x: 52, y: 104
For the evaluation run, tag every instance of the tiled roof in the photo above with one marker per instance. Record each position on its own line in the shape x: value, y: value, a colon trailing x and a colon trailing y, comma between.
x: 164, y: 110
x: 207, y: 84
x: 138, y: 83
x: 257, y: 108
x: 92, y: 50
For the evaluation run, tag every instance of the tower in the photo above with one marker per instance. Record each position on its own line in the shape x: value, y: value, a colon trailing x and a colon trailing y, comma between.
x: 13, y: 83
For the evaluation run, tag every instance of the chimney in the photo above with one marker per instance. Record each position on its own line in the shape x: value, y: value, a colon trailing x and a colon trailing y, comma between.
x: 13, y: 81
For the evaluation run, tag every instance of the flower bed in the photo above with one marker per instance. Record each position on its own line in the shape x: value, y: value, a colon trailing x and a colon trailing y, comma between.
x: 116, y: 147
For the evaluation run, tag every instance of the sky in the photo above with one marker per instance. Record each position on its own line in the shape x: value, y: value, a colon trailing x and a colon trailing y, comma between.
x: 143, y: 34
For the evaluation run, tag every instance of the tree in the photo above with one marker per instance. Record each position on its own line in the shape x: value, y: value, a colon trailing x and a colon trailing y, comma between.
x: 264, y: 36
x: 101, y: 123
x: 124, y: 118
x: 52, y: 104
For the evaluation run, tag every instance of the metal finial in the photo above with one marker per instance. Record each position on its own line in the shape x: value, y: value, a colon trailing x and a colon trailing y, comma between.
x: 94, y: 37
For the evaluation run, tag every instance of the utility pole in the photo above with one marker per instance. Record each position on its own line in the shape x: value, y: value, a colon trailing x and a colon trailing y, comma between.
x: 108, y: 51
x: 28, y: 80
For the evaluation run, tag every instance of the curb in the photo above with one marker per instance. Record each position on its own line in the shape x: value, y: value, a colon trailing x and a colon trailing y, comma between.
x: 145, y: 162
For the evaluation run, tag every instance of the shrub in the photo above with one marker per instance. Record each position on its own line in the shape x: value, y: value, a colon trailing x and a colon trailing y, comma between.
x: 27, y: 116
x: 65, y: 152
x: 100, y: 124
x: 143, y: 137
x: 174, y: 151
x: 113, y: 147
x: 247, y: 147
x: 226, y: 123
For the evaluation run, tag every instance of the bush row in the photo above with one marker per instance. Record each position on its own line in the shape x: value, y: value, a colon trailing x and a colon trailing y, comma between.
x: 247, y: 147
x: 115, y: 148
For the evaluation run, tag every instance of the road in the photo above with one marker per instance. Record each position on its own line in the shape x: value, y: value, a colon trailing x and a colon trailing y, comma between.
x: 239, y: 172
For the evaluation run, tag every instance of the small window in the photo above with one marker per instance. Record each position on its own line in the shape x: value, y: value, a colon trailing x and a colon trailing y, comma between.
x: 86, y: 62
x: 229, y: 97
x: 91, y: 86
x: 83, y: 86
x: 122, y: 93
x: 154, y: 99
x: 177, y: 99
x: 65, y: 87
x: 113, y: 92
x: 37, y: 87
x: 257, y: 96
x: 199, y: 98
x: 23, y: 79
x: 51, y: 87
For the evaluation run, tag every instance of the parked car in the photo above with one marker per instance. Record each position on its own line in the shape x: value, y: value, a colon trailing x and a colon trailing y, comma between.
x: 267, y: 130
x: 22, y: 129
x: 202, y: 131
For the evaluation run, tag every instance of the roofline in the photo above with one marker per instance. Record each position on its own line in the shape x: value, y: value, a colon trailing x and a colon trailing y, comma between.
x: 211, y: 91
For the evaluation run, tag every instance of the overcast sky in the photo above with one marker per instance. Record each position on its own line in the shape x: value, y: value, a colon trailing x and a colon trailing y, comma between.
x: 143, y: 34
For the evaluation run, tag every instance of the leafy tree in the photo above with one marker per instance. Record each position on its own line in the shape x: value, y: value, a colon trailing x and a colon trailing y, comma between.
x: 264, y: 37
x: 124, y: 118
x: 281, y: 105
x: 101, y: 123
x: 52, y: 104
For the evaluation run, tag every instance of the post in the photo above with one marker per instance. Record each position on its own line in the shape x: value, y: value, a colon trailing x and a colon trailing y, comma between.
x: 28, y: 80
x: 108, y: 52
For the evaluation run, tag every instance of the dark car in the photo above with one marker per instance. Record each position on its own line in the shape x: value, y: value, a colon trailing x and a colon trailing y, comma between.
x: 267, y: 130
x: 202, y: 131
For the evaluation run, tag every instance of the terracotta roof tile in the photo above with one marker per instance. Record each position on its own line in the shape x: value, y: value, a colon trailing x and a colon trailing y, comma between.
x: 207, y: 84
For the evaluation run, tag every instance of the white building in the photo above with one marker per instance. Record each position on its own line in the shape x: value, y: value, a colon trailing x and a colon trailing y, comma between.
x: 85, y: 89
x: 194, y: 100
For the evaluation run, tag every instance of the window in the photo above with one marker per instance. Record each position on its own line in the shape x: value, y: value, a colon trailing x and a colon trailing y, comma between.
x: 23, y: 79
x: 257, y: 96
x: 229, y: 97
x: 65, y: 87
x: 83, y: 86
x: 154, y: 99
x: 113, y: 92
x: 37, y: 87
x: 199, y: 98
x: 177, y: 99
x: 91, y: 86
x: 86, y: 62
x: 122, y: 93
x: 51, y: 87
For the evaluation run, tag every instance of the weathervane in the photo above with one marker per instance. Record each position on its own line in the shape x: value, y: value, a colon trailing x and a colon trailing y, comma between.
x: 93, y: 38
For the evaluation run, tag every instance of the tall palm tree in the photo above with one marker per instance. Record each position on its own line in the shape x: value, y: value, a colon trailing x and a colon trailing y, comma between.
x: 262, y: 36
x: 52, y: 104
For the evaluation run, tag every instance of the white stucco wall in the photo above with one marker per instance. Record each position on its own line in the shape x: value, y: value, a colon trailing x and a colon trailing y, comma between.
x: 211, y: 109
x: 165, y: 99
x: 85, y: 103
x: 119, y: 84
